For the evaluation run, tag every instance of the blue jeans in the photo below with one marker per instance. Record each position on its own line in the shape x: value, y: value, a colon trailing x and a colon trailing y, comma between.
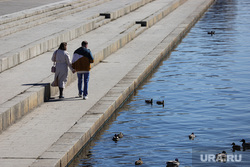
x: 86, y: 80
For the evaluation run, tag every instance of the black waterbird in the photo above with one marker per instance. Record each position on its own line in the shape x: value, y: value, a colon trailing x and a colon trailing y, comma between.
x: 160, y: 102
x: 149, y: 101
x: 235, y: 147
x: 115, y: 138
x: 174, y: 163
x: 211, y: 33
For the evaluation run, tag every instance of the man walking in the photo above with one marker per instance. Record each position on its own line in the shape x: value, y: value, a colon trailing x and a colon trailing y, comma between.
x: 82, y: 58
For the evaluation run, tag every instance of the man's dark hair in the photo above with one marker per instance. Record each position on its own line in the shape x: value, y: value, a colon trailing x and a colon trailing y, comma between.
x: 84, y: 43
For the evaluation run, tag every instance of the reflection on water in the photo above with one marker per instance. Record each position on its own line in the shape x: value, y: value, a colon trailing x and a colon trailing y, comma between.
x: 205, y: 85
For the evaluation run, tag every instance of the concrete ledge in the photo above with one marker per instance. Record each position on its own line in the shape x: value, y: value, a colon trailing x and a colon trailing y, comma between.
x: 128, y: 9
x: 93, y: 120
x: 151, y: 20
x: 16, y: 108
x: 46, y: 163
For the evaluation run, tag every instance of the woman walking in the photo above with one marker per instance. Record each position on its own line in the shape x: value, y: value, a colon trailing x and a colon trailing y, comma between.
x: 62, y: 59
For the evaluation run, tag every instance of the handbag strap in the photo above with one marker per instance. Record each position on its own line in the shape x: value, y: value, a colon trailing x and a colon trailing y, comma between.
x: 55, y: 58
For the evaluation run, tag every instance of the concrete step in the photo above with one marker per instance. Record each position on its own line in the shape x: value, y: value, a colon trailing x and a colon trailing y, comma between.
x: 43, y: 16
x: 30, y: 15
x: 8, y: 7
x: 33, y: 90
x: 158, y: 15
x: 13, y: 52
x: 56, y: 131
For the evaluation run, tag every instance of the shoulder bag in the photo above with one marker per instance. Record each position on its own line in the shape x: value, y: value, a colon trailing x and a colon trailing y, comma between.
x: 53, y: 68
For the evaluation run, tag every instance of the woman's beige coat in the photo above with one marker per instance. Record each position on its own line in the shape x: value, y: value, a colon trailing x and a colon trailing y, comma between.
x: 62, y: 59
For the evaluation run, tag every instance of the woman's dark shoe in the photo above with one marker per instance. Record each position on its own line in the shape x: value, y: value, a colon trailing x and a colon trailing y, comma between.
x: 61, y: 93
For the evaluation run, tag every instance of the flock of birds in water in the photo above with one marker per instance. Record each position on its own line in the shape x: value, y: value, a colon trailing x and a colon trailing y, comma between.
x: 176, y: 163
x: 173, y: 163
x: 220, y: 157
x: 157, y: 102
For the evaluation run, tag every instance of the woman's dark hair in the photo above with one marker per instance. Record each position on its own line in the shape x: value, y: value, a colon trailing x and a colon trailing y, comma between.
x: 63, y: 46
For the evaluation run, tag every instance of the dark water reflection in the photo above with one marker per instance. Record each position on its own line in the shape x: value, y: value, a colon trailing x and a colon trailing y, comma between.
x: 205, y: 85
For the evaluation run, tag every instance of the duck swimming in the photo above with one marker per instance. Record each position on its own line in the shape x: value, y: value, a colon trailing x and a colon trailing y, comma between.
x: 149, y: 101
x: 221, y: 157
x: 160, y: 102
x: 235, y: 147
x: 174, y: 163
x: 139, y: 162
x: 244, y: 144
x: 115, y: 138
x: 192, y: 136
x: 211, y: 33
x: 120, y: 135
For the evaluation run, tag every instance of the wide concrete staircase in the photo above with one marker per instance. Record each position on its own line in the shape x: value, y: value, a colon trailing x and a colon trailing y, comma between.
x: 25, y: 86
x: 29, y: 38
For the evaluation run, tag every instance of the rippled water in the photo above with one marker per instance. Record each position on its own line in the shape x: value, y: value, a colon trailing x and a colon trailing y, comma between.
x: 206, y: 87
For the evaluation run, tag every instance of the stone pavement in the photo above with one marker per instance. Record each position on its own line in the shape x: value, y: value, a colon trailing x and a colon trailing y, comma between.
x: 50, y: 134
